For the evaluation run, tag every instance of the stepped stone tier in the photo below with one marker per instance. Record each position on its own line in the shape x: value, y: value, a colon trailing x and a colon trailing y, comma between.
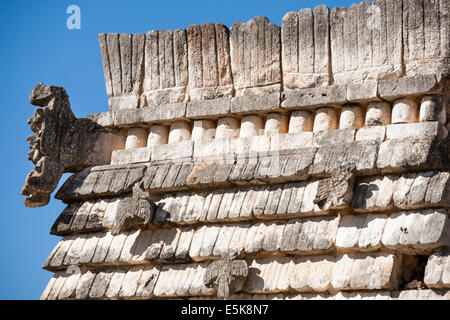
x: 307, y: 161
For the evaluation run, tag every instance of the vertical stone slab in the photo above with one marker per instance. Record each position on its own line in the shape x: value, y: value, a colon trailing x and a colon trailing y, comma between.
x: 305, y: 48
x: 289, y: 45
x: 166, y: 65
x: 180, y: 58
x: 322, y: 42
x: 305, y: 41
x: 194, y: 36
x: 151, y: 61
x: 209, y: 62
x: 444, y: 19
x: 413, y: 31
x: 364, y: 36
x: 366, y: 41
x: 209, y: 56
x: 106, y: 64
x: 255, y: 56
x: 125, y: 41
x: 112, y: 40
x: 137, y: 62
x: 394, y: 36
x: 337, y: 39
x: 425, y: 34
x: 432, y: 28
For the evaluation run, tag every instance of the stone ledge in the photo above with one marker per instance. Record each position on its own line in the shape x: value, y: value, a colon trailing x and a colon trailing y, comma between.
x: 414, y: 86
x: 379, y: 271
x: 208, y: 108
x: 250, y: 104
x: 313, y: 98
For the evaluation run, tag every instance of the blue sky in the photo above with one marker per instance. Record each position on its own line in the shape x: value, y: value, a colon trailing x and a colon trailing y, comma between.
x: 36, y: 46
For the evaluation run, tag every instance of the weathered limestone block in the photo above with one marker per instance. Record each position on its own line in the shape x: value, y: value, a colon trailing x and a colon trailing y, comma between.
x: 360, y: 232
x: 115, y: 284
x: 147, y: 282
x: 166, y: 286
x: 301, y: 121
x: 228, y: 275
x: 227, y: 128
x: 166, y: 66
x: 437, y: 271
x: 432, y: 109
x: 375, y: 193
x: 123, y: 67
x: 336, y: 191
x: 425, y: 51
x: 305, y: 48
x: 255, y: 48
x: 378, y: 113
x: 326, y: 119
x: 405, y: 110
x: 377, y: 133
x: 100, y: 181
x: 314, y: 97
x: 399, y: 155
x: 255, y: 103
x: 209, y: 62
x: 251, y: 125
x: 333, y: 137
x: 130, y: 282
x: 60, y: 143
x: 415, y: 232
x: 291, y: 141
x: 128, y: 156
x: 173, y: 151
x: 366, y: 41
x: 363, y: 92
x: 394, y: 89
x: 361, y: 153
x: 208, y: 108
x: 351, y: 117
x: 203, y: 130
x: 321, y: 274
x: 418, y: 130
x: 410, y: 191
x: 421, y: 295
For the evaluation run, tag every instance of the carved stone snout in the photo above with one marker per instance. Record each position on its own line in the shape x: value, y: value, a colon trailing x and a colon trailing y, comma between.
x: 60, y: 143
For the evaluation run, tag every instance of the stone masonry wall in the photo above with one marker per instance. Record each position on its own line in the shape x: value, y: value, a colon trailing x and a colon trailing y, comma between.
x: 307, y: 161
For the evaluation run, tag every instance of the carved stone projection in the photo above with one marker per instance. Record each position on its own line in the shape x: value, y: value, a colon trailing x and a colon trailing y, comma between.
x: 336, y: 191
x: 60, y: 143
x: 227, y: 274
x: 135, y: 212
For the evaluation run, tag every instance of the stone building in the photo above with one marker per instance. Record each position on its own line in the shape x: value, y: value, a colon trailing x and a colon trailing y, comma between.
x: 307, y: 161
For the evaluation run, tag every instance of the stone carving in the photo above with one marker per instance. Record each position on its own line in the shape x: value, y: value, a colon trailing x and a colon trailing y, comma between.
x: 336, y: 191
x: 227, y: 274
x: 60, y: 143
x: 135, y: 212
